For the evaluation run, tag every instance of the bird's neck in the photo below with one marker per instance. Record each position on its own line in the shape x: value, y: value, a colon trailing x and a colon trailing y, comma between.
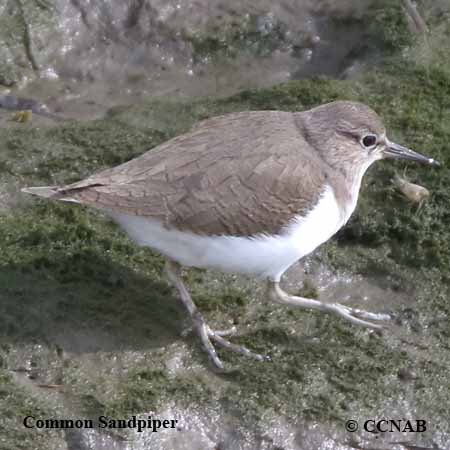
x: 347, y: 187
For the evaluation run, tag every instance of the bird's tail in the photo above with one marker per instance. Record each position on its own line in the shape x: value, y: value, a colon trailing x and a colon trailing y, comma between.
x: 43, y: 191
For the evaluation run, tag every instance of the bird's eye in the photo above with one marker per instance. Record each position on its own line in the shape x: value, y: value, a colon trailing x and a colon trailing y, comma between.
x: 369, y: 140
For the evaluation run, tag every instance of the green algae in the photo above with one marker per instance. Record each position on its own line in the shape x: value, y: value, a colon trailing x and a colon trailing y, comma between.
x: 381, y: 24
x: 16, y: 404
x: 63, y: 264
x: 252, y: 34
x: 387, y: 27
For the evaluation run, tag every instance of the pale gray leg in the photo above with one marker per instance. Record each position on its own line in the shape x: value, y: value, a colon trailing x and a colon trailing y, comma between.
x: 355, y: 316
x: 173, y: 271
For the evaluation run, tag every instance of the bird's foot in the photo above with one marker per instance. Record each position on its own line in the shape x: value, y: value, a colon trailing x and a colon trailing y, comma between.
x: 228, y: 332
x: 207, y: 335
x: 355, y: 316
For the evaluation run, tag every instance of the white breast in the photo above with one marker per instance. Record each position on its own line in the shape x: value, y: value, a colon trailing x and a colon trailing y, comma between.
x: 262, y: 255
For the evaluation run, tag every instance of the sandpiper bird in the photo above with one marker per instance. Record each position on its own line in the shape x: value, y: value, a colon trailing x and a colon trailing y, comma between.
x: 249, y: 192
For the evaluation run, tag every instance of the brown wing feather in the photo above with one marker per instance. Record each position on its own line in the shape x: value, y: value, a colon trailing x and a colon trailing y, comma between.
x: 240, y: 174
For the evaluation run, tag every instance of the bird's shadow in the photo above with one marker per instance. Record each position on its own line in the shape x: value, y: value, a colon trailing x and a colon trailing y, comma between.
x: 101, y: 306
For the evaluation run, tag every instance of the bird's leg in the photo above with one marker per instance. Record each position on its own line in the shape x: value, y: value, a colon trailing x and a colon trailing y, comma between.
x: 173, y: 271
x: 355, y: 316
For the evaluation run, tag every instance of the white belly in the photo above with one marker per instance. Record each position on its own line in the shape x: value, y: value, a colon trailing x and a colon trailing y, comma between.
x: 264, y: 256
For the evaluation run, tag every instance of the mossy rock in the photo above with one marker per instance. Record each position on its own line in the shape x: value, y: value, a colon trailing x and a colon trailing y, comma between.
x: 70, y: 278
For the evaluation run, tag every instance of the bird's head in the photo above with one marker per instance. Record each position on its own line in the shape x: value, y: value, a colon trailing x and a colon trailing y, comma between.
x: 351, y: 136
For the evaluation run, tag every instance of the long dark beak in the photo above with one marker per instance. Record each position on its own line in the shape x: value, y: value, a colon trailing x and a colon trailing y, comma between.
x: 393, y: 150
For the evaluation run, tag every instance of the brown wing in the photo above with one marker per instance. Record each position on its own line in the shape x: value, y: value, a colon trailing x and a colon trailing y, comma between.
x: 240, y: 174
